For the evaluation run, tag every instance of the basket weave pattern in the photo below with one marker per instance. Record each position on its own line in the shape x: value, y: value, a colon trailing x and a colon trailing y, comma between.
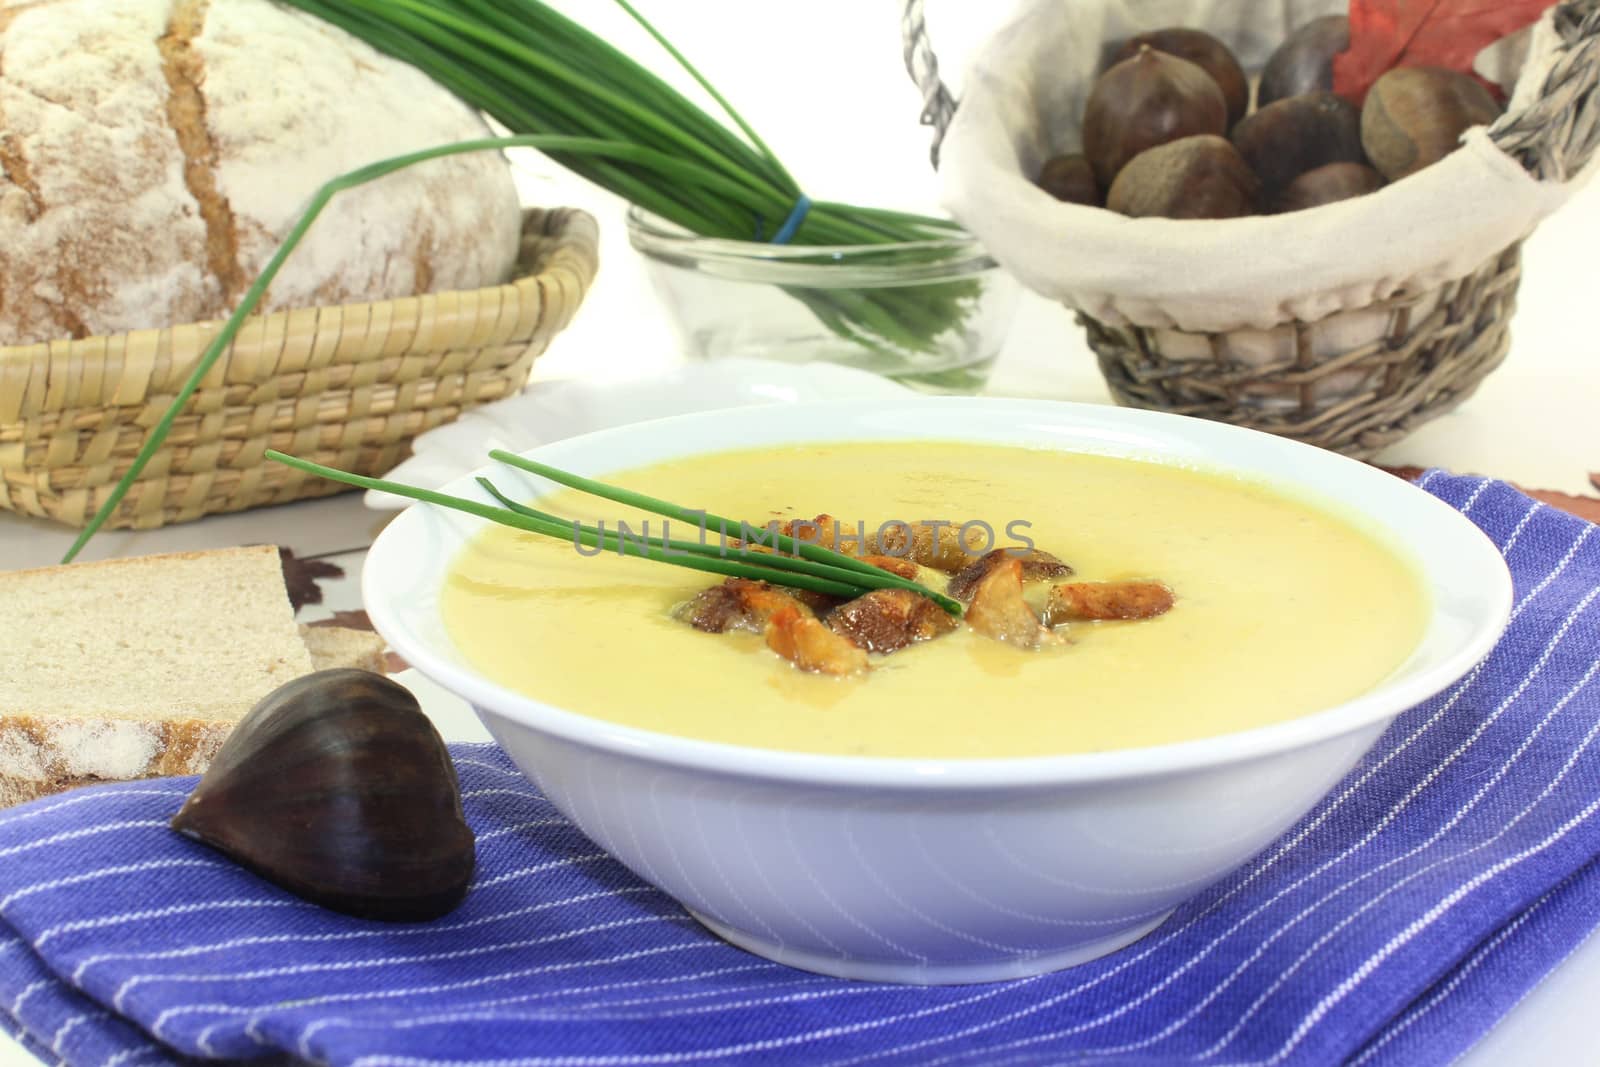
x: 346, y: 386
x: 1435, y: 350
x: 1430, y: 353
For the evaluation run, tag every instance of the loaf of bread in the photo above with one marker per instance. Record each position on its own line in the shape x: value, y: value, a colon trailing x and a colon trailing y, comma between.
x: 156, y: 152
x: 139, y: 667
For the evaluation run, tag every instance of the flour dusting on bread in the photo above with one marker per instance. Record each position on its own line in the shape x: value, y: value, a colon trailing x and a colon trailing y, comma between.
x: 156, y: 152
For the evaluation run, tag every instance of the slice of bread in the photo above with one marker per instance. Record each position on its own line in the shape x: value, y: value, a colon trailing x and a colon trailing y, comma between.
x: 340, y: 646
x: 140, y: 667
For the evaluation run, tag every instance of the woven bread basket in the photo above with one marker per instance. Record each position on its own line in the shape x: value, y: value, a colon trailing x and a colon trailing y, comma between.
x: 1358, y: 380
x: 347, y: 386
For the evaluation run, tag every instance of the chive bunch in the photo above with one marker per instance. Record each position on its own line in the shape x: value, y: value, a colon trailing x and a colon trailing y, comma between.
x: 537, y: 72
x: 794, y: 563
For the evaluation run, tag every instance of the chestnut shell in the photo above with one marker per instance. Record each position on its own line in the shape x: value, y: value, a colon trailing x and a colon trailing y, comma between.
x: 337, y: 788
x: 1145, y: 101
x: 1303, y: 63
x: 1070, y: 178
x: 1415, y: 116
x: 1328, y: 185
x: 1204, y: 51
x: 1284, y: 140
x: 1199, y: 177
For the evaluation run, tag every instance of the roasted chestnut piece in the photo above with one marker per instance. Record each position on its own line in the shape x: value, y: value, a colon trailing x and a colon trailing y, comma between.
x: 1303, y: 63
x: 1415, y: 116
x: 1327, y: 185
x: 1148, y: 100
x: 1194, y: 178
x: 1205, y: 52
x: 337, y: 788
x: 1284, y: 140
x: 1070, y: 178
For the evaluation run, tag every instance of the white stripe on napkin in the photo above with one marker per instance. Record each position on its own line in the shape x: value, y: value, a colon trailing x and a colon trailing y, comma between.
x: 385, y: 933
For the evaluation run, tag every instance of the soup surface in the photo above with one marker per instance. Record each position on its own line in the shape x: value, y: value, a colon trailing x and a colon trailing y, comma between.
x: 1281, y: 609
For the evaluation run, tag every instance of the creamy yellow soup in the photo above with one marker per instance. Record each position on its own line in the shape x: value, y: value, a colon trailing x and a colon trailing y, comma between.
x: 1281, y: 609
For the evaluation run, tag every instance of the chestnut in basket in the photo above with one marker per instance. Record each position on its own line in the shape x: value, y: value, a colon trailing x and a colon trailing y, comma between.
x: 1199, y: 177
x: 1303, y: 63
x: 1070, y: 178
x: 1285, y: 139
x: 1145, y: 101
x: 1327, y: 185
x: 1205, y: 52
x: 1415, y: 116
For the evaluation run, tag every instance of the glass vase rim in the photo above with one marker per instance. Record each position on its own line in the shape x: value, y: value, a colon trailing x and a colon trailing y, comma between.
x: 651, y: 234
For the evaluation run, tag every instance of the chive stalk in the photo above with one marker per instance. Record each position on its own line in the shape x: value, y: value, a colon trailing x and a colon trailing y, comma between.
x: 592, y: 536
x: 588, y: 146
x: 838, y: 581
x: 564, y: 91
x: 724, y: 526
x: 806, y: 557
x: 536, y: 71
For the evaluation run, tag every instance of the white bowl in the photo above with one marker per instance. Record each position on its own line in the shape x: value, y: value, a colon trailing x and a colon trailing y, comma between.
x: 945, y: 871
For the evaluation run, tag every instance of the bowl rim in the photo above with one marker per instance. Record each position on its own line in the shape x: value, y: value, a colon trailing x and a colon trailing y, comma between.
x: 1399, y: 692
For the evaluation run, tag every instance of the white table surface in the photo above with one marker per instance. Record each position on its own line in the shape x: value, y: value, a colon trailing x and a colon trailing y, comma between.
x: 851, y: 134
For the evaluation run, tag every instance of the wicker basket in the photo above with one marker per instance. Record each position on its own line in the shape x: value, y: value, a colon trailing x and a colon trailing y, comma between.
x: 1365, y: 378
x: 346, y: 386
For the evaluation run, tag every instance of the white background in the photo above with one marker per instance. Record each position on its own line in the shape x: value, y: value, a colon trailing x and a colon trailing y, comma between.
x: 823, y: 82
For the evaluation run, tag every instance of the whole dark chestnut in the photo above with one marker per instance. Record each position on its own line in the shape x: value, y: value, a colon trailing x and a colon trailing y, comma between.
x: 1285, y: 139
x: 1144, y: 101
x: 337, y: 788
x: 1200, y: 177
x: 1415, y: 116
x: 1303, y: 63
x: 1205, y: 52
x: 1326, y: 185
x: 1071, y: 179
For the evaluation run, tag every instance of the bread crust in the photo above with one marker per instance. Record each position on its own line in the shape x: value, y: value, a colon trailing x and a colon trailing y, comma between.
x: 15, y: 791
x: 125, y: 563
x: 177, y: 747
x: 134, y: 668
x: 145, y: 180
x: 181, y: 746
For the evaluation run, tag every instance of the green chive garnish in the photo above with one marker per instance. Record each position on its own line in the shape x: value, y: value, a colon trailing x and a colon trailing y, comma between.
x: 814, y: 568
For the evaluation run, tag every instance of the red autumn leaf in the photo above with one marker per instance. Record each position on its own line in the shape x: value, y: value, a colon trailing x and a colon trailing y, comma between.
x: 1423, y: 33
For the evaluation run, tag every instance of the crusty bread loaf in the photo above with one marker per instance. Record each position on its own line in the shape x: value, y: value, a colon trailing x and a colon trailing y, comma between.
x: 139, y: 667
x: 156, y: 152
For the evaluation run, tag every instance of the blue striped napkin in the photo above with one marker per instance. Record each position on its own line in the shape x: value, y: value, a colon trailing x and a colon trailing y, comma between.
x: 1443, y: 878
